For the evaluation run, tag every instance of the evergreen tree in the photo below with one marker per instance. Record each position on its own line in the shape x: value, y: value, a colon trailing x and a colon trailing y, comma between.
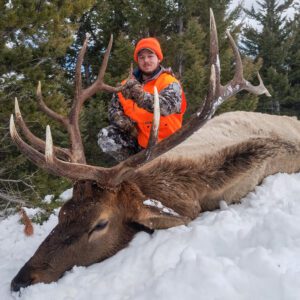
x: 292, y: 103
x: 39, y: 33
x: 34, y: 37
x: 271, y: 44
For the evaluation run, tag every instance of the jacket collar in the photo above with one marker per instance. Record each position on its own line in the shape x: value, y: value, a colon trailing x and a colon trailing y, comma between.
x: 138, y: 74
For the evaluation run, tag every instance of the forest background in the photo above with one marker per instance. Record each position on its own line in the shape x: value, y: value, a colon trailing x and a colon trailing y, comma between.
x: 40, y: 40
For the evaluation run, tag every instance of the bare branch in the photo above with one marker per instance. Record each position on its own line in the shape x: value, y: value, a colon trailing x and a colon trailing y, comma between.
x: 11, y: 198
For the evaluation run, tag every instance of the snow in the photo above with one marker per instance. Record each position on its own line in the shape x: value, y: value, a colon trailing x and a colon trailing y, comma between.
x: 66, y: 195
x: 48, y: 199
x: 159, y: 205
x: 244, y: 251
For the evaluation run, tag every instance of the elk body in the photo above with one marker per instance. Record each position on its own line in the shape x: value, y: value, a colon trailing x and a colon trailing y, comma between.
x: 165, y: 185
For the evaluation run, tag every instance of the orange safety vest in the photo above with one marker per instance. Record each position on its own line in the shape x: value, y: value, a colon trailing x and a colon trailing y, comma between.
x: 168, y: 124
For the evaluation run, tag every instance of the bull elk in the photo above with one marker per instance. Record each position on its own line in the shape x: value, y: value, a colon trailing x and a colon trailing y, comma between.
x: 167, y: 184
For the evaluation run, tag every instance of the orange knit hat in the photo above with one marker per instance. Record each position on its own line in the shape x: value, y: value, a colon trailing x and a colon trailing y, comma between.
x: 148, y: 43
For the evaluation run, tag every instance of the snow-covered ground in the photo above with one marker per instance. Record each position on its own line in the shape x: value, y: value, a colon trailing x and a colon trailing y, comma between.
x: 245, y: 251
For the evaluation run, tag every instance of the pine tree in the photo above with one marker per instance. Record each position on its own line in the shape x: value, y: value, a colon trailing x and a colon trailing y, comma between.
x: 185, y: 55
x: 38, y: 35
x: 292, y: 103
x: 271, y: 44
x: 34, y: 38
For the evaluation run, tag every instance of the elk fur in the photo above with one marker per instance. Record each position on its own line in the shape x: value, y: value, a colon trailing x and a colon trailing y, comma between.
x: 224, y: 160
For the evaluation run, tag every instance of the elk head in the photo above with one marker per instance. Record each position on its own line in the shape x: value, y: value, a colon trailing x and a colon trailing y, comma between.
x: 92, y: 226
x: 108, y: 207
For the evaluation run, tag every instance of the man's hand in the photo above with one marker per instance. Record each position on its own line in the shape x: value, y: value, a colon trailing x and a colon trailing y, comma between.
x: 133, y: 90
x: 126, y: 125
x: 134, y: 132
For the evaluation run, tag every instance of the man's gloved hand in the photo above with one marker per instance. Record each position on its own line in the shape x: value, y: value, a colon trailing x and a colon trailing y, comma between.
x: 134, y: 132
x: 133, y: 90
x: 125, y: 124
x: 131, y: 129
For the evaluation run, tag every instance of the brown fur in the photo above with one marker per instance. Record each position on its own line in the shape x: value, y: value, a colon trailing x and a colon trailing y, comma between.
x: 98, y: 222
x: 194, y: 183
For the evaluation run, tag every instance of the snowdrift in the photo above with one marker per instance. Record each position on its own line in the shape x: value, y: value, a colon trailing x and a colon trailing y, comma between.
x: 245, y: 251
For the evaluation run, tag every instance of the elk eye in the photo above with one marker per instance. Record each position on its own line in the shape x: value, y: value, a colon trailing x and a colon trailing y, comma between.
x: 101, y: 225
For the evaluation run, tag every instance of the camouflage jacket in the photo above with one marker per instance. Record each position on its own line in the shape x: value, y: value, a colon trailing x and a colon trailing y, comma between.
x: 169, y: 98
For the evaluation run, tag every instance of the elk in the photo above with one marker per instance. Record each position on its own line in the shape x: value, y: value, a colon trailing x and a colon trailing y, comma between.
x: 167, y: 184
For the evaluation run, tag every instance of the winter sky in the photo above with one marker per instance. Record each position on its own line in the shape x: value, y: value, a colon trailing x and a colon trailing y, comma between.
x: 249, y: 3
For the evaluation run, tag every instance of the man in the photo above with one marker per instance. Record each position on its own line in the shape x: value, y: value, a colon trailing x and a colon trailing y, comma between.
x: 131, y: 111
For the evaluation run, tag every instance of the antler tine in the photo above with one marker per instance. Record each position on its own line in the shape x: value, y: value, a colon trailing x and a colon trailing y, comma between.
x: 131, y: 69
x: 64, y: 154
x: 49, y: 146
x: 78, y: 77
x: 212, y: 105
x: 239, y: 82
x: 52, y: 114
x: 209, y: 106
x: 34, y: 155
x: 102, y: 70
x: 105, y: 59
x: 259, y: 89
x: 155, y: 124
x: 214, y: 50
x: 99, y: 85
x: 130, y: 75
x: 74, y: 171
x: 238, y: 74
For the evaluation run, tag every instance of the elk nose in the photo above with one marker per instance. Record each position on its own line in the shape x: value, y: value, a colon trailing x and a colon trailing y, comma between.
x: 24, y: 278
x: 15, y: 285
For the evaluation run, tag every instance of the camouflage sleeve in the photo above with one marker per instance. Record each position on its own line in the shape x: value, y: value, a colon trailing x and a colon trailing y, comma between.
x: 116, y: 115
x: 169, y: 99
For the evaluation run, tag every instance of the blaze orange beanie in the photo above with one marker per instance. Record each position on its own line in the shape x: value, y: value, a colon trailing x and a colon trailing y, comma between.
x: 148, y: 43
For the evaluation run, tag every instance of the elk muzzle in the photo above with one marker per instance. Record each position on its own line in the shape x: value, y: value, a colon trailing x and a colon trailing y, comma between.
x: 24, y: 278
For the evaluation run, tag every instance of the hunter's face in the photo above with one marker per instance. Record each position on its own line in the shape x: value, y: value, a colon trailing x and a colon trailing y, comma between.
x: 147, y: 61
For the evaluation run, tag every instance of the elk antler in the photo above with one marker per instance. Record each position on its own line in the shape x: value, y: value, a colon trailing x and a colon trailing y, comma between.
x: 107, y: 177
x: 67, y: 157
x: 110, y: 177
x: 64, y: 154
x: 217, y: 94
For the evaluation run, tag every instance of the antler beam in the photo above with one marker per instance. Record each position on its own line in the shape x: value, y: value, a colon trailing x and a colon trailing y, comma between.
x: 76, y: 152
x: 110, y: 177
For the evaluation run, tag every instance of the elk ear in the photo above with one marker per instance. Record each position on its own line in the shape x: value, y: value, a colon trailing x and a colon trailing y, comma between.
x: 154, y: 215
